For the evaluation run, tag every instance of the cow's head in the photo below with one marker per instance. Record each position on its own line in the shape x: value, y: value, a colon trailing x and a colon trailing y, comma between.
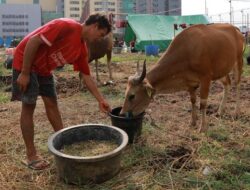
x: 138, y: 94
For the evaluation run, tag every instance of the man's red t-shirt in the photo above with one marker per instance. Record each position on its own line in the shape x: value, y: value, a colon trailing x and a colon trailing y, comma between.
x: 62, y: 44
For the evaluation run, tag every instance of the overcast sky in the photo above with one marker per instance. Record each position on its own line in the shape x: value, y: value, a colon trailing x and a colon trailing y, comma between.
x: 214, y: 7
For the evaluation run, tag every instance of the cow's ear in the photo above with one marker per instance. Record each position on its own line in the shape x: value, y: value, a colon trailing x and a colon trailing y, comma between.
x: 150, y: 90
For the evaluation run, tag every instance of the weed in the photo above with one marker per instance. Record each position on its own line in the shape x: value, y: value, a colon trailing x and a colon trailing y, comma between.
x: 219, y: 134
x: 4, y: 98
x: 211, y: 150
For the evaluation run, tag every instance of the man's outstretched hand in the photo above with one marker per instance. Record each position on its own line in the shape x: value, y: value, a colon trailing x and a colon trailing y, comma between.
x: 104, y: 106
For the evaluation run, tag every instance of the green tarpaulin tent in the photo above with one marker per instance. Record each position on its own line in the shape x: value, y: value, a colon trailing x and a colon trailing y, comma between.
x: 157, y: 29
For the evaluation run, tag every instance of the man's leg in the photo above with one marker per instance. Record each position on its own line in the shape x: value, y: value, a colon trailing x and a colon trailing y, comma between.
x: 53, y: 112
x: 27, y: 127
x: 47, y: 90
x: 28, y: 106
x: 28, y: 98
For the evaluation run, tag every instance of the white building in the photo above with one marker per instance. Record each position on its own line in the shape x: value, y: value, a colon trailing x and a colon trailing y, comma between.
x: 19, y: 19
x: 73, y: 9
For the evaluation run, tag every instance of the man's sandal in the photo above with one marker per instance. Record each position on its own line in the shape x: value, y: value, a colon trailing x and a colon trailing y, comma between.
x: 39, y: 164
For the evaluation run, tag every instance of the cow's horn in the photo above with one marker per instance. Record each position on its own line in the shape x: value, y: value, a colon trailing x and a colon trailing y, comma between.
x: 138, y: 67
x: 139, y: 79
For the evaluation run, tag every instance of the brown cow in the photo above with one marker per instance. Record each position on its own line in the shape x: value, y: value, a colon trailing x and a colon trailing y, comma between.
x: 198, y: 55
x: 98, y: 50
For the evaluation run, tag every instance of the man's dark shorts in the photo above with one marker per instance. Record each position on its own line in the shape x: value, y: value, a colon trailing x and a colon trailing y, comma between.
x: 38, y: 85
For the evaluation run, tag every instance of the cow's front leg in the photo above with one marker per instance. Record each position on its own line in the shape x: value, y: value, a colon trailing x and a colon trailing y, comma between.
x: 96, y: 70
x: 237, y: 109
x: 109, y: 54
x: 226, y: 83
x: 81, y: 85
x: 203, y: 108
x: 194, y: 119
x: 237, y: 76
x: 223, y: 101
x: 204, y: 89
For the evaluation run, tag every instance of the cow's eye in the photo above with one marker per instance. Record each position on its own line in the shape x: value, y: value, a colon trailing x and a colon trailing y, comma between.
x: 131, y: 97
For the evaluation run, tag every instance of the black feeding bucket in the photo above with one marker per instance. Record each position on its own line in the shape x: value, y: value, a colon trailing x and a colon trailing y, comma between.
x: 131, y: 125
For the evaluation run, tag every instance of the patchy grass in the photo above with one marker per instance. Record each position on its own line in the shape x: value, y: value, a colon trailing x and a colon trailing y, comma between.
x: 118, y: 58
x: 4, y: 98
x: 168, y: 155
x: 246, y: 70
x: 233, y: 175
x: 3, y: 70
x: 219, y: 134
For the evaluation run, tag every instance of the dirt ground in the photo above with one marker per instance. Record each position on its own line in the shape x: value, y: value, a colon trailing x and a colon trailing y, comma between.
x: 167, y: 119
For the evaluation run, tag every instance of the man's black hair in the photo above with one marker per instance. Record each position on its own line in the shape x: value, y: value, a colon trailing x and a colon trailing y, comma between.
x: 101, y: 20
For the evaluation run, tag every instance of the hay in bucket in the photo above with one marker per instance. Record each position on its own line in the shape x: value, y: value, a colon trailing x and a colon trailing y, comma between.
x: 89, y: 148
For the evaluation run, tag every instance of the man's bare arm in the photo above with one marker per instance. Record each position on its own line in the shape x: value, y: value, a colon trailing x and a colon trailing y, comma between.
x: 29, y: 55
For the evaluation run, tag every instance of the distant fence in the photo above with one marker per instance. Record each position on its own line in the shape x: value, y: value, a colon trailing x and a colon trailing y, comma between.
x: 239, y: 18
